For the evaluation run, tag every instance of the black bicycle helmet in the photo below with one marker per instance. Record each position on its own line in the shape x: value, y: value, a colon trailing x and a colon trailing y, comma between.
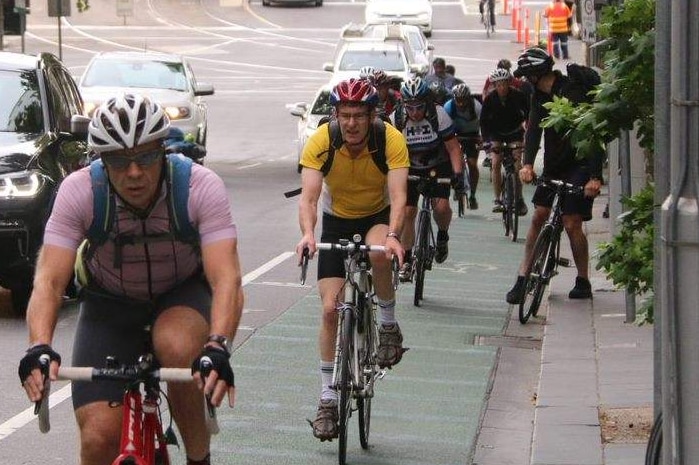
x: 534, y: 62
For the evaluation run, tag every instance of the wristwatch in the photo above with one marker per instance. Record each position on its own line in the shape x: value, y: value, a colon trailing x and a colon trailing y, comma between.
x: 221, y: 340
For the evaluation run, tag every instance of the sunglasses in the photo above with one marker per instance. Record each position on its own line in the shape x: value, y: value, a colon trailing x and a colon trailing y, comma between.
x: 143, y: 160
x: 415, y: 107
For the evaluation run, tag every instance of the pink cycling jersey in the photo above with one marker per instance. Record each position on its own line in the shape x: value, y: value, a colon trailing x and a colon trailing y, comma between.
x: 148, y: 269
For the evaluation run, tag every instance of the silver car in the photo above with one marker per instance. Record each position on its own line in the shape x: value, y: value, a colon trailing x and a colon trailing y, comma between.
x: 411, y: 36
x: 310, y: 115
x: 166, y: 78
x: 415, y: 12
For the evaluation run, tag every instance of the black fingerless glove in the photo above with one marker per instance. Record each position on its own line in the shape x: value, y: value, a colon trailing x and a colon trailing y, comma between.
x: 213, y: 358
x: 32, y: 360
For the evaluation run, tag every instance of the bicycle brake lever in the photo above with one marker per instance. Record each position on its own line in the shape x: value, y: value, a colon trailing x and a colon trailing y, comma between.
x: 205, y: 367
x: 304, y: 265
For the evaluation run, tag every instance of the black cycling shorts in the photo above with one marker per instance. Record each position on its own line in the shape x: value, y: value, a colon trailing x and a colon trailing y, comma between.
x: 468, y: 145
x: 113, y: 326
x: 572, y: 204
x: 331, y: 262
x: 441, y: 191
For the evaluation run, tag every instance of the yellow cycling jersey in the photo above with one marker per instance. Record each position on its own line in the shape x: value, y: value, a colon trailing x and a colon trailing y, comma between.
x: 354, y: 187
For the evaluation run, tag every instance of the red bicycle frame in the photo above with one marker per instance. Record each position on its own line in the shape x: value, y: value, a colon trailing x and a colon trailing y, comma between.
x: 140, y: 429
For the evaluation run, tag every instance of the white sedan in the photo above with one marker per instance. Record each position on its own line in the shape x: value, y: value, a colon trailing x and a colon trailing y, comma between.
x: 415, y: 12
x: 310, y: 115
x: 167, y: 79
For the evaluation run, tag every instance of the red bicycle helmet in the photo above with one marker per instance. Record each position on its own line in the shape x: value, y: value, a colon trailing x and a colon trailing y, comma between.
x: 354, y: 91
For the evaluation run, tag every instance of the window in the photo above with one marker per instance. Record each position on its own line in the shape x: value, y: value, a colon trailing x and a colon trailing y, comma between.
x: 20, y: 102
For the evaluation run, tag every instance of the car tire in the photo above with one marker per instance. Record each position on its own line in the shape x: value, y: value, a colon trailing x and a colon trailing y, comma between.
x: 319, y: 2
x: 20, y: 299
x: 266, y: 2
x: 428, y: 33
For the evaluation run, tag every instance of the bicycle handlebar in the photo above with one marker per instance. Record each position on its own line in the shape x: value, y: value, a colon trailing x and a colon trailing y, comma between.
x: 414, y: 177
x: 558, y: 185
x: 351, y: 247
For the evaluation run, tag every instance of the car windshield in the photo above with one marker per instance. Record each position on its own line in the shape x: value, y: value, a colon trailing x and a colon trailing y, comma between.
x: 322, y: 104
x: 136, y: 73
x: 387, y: 60
x: 20, y: 102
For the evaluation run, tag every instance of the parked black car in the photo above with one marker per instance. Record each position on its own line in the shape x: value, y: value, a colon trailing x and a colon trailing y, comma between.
x: 38, y: 149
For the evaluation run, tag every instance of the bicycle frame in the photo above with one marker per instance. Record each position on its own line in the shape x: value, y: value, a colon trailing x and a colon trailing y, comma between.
x: 510, y: 186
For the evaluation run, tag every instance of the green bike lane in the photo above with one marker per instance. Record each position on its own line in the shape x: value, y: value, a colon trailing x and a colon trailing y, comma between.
x: 427, y: 409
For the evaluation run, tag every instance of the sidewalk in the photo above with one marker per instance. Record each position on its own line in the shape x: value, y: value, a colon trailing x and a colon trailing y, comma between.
x: 584, y: 399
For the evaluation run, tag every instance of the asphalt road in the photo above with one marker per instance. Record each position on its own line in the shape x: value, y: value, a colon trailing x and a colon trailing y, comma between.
x: 428, y: 409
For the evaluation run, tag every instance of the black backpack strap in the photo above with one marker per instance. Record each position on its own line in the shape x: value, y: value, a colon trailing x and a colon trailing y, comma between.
x: 334, y: 143
x: 178, y: 174
x: 377, y: 144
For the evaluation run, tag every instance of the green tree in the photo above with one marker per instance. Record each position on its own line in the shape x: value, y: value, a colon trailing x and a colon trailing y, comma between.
x: 624, y: 101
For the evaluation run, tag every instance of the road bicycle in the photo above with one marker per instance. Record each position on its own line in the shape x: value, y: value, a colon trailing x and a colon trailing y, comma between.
x: 545, y: 257
x: 425, y: 245
x: 463, y: 199
x: 510, y: 186
x: 143, y: 440
x: 355, y: 369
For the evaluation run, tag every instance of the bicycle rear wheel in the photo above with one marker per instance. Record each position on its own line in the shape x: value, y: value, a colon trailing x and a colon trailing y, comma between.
x: 422, y: 255
x: 506, y: 205
x: 344, y: 383
x: 537, y: 275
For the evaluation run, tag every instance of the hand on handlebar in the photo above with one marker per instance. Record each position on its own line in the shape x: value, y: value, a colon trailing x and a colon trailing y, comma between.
x: 213, y: 373
x: 458, y: 183
x: 30, y: 371
x: 527, y: 174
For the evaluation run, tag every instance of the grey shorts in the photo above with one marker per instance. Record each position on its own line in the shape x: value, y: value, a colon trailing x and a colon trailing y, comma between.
x: 113, y: 326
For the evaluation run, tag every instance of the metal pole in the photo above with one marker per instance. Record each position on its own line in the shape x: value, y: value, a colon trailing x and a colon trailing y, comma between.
x: 680, y: 249
x: 661, y: 177
x: 625, y: 168
x: 60, y: 41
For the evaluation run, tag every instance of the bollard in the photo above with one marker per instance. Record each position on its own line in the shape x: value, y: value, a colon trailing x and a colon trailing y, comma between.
x: 549, y: 44
x: 505, y: 10
x: 514, y: 14
x: 537, y: 28
x: 526, y: 28
x: 519, y: 26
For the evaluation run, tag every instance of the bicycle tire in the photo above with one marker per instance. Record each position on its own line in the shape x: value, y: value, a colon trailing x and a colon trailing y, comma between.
x: 421, y: 256
x: 514, y: 214
x: 536, y: 276
x: 367, y: 366
x: 506, y: 201
x: 345, y: 384
x: 654, y: 448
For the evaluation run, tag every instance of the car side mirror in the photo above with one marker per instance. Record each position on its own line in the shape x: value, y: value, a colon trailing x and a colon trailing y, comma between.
x: 328, y: 66
x: 203, y: 89
x: 79, y: 124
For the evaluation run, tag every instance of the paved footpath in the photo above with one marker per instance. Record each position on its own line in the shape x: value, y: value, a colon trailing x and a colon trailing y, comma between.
x: 593, y: 370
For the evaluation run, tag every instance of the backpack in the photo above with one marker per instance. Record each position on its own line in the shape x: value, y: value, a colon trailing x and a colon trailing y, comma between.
x: 376, y: 144
x: 177, y: 174
x: 584, y: 79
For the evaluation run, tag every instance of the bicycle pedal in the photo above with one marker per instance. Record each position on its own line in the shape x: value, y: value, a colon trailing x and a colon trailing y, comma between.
x: 564, y: 262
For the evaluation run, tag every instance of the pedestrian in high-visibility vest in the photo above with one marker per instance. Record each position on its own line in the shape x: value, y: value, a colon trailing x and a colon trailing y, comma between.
x: 558, y: 13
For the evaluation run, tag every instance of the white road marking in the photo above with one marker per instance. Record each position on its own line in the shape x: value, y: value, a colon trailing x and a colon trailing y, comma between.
x: 27, y: 416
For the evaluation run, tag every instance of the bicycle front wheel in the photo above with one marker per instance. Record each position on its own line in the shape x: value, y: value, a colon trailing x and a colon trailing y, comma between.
x: 537, y: 275
x: 422, y: 256
x: 506, y: 205
x: 513, y: 207
x: 368, y: 368
x: 344, y: 383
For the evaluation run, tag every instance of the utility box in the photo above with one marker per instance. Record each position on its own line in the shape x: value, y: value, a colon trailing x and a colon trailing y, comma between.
x: 59, y: 8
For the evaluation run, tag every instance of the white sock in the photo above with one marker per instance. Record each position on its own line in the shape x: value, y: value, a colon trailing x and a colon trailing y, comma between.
x: 326, y: 379
x: 387, y: 315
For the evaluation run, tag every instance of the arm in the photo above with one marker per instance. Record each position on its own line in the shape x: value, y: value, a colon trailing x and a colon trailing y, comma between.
x: 53, y: 272
x: 311, y: 186
x: 397, y: 180
x: 454, y: 148
x: 222, y: 270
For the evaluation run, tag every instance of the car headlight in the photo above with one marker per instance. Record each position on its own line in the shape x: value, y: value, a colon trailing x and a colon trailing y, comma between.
x: 178, y: 112
x: 90, y: 108
x: 22, y: 184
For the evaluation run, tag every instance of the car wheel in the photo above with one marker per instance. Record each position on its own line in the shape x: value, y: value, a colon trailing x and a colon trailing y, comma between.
x: 319, y: 2
x: 428, y: 33
x: 265, y: 2
x: 20, y: 299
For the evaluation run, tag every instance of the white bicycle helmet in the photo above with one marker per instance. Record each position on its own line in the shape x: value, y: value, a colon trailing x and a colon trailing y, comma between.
x: 126, y: 121
x: 366, y: 72
x: 500, y: 74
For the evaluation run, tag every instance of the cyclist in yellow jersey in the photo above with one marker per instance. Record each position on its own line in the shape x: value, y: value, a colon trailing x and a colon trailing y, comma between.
x: 357, y: 197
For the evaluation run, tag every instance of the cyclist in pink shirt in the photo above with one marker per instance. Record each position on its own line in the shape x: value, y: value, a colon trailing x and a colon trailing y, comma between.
x: 187, y: 293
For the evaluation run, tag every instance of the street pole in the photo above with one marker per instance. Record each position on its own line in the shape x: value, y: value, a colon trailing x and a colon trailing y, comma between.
x: 60, y: 42
x: 625, y: 169
x: 661, y: 177
x: 680, y: 246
